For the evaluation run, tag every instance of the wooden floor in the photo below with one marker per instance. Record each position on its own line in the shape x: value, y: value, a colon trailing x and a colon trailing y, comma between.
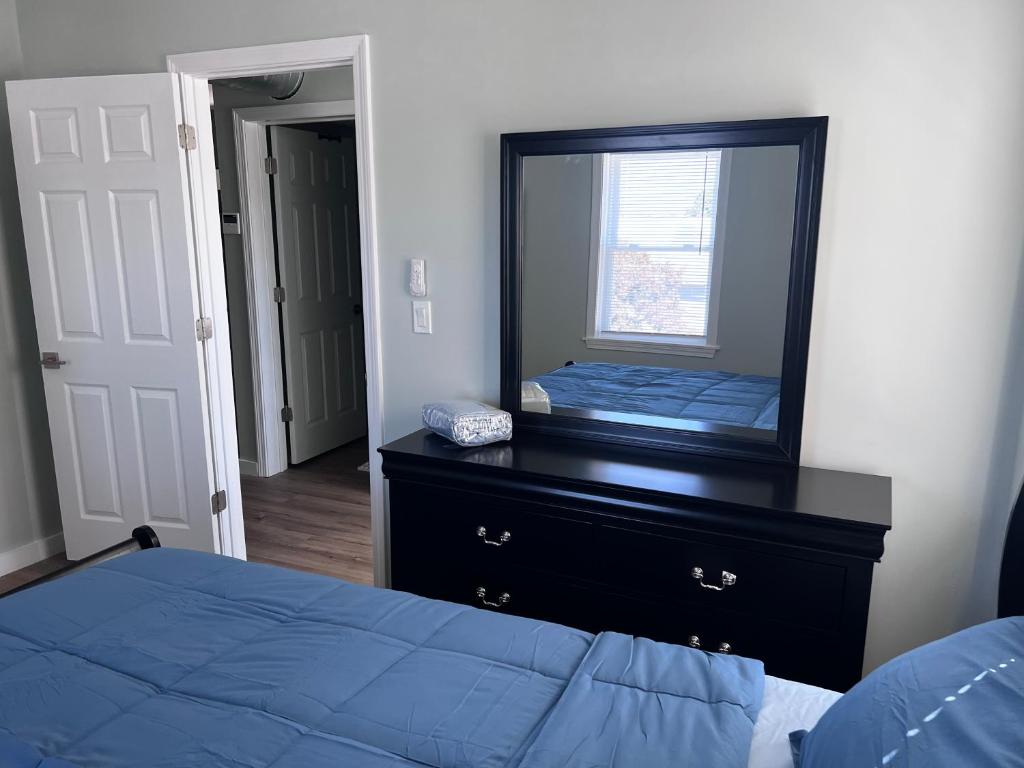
x: 313, y: 517
x: 34, y: 571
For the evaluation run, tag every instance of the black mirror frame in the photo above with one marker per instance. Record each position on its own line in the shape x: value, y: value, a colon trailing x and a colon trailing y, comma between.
x: 806, y: 132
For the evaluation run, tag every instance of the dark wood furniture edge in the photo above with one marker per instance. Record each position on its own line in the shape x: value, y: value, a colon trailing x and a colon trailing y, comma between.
x: 814, y: 532
x: 1011, y: 577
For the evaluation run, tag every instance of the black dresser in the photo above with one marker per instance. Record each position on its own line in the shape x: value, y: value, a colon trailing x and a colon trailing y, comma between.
x: 763, y: 560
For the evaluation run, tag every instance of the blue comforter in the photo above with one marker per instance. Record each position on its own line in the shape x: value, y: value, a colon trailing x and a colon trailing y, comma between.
x: 717, y: 396
x: 176, y: 658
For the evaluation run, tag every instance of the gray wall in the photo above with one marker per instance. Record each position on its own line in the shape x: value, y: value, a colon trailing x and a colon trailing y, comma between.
x: 758, y: 228
x: 757, y: 253
x: 322, y: 85
x: 556, y: 262
x: 903, y: 239
x: 28, y: 498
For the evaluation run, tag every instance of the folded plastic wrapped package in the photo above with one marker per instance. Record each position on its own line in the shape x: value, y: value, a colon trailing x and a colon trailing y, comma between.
x: 467, y: 422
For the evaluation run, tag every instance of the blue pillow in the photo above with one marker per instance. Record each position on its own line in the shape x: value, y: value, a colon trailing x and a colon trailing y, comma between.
x: 956, y: 702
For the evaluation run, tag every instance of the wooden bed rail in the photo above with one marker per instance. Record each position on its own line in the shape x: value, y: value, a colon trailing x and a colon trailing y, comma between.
x: 143, y: 537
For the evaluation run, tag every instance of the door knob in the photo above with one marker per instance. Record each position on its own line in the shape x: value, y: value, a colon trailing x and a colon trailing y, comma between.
x: 52, y: 361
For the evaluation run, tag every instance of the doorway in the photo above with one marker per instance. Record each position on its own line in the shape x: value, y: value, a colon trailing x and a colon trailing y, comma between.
x: 307, y: 56
x: 288, y: 200
x: 128, y: 283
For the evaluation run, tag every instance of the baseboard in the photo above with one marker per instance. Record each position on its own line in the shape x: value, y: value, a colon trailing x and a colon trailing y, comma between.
x: 31, y: 553
x: 248, y: 467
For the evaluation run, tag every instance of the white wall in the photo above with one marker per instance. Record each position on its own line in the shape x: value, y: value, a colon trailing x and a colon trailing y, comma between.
x: 756, y: 240
x: 915, y: 364
x: 321, y: 85
x: 29, y: 514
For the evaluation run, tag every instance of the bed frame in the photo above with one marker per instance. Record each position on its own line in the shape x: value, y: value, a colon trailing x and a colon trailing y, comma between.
x: 1011, y: 579
x: 143, y: 537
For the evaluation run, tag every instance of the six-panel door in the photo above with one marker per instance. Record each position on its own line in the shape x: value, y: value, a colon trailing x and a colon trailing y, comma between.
x: 318, y: 260
x: 104, y: 203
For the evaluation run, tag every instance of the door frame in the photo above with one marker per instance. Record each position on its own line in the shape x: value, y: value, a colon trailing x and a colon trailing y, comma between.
x: 273, y: 59
x: 258, y: 257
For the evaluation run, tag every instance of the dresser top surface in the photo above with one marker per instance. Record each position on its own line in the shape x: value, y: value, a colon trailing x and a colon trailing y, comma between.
x: 822, y: 493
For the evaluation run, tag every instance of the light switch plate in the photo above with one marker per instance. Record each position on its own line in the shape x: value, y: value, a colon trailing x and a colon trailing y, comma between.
x: 231, y: 224
x: 417, y: 277
x: 421, y: 322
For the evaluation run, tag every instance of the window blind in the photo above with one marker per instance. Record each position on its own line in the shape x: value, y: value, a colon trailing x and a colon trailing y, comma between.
x: 658, y: 237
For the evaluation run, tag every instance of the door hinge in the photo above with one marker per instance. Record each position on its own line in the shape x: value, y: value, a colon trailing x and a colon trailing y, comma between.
x: 186, y: 136
x: 270, y: 165
x: 219, y: 502
x: 279, y: 294
x: 204, y: 329
x: 286, y: 413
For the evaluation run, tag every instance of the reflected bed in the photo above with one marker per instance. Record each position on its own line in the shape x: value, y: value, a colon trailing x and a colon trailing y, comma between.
x: 712, y: 396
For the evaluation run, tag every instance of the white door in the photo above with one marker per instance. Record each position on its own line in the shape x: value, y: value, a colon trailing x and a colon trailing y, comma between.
x: 105, y: 208
x: 318, y: 260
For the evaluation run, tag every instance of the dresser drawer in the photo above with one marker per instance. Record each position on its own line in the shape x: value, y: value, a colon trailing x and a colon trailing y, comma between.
x: 449, y: 525
x: 793, y: 652
x: 787, y: 650
x: 727, y: 578
x: 508, y: 590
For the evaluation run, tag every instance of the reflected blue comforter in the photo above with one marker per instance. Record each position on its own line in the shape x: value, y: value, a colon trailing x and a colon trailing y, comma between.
x: 717, y: 396
x: 176, y: 658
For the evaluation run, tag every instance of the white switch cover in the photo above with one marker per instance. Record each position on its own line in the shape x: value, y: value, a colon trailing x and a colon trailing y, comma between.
x: 230, y: 223
x: 417, y: 277
x: 421, y: 317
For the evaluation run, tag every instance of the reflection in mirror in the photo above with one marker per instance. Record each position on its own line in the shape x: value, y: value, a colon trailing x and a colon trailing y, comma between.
x: 655, y: 286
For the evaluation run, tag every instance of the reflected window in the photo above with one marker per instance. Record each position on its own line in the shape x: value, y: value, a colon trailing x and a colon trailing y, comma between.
x: 656, y: 259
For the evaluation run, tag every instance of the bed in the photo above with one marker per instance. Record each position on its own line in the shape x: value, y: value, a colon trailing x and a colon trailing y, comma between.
x: 712, y: 396
x: 175, y: 658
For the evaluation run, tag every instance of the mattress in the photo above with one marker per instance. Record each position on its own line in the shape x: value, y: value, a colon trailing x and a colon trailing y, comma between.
x: 175, y: 658
x: 787, y: 707
x: 715, y: 396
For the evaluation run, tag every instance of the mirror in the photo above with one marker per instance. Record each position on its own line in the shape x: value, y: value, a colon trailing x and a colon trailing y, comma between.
x: 654, y: 285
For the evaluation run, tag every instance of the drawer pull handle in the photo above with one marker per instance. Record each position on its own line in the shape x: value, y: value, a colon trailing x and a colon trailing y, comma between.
x: 723, y: 647
x: 503, y: 598
x: 728, y: 579
x: 502, y: 539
